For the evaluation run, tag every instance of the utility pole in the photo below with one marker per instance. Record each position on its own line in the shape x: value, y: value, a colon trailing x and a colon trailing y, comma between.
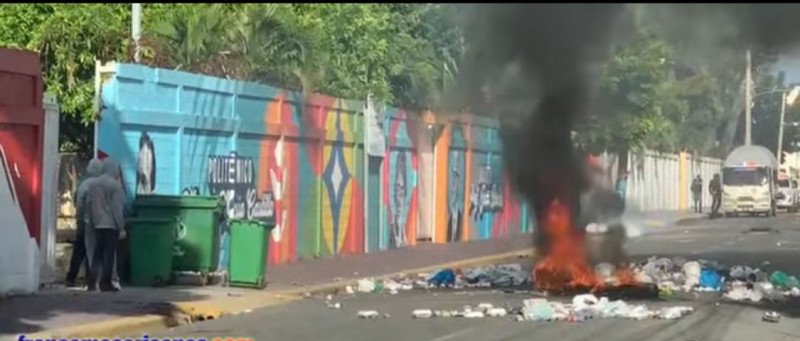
x: 780, y: 127
x: 136, y: 29
x: 748, y: 103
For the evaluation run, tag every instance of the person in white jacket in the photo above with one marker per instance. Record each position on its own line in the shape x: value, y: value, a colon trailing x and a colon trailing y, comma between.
x: 106, y: 204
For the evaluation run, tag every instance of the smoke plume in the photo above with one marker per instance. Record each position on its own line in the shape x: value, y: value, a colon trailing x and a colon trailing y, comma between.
x: 533, y: 66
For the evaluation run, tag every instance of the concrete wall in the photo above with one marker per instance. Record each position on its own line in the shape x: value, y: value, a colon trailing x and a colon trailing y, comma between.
x: 266, y: 149
x: 661, y: 181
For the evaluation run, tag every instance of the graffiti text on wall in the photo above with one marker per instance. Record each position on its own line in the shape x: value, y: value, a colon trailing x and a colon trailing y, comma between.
x: 485, y: 197
x: 233, y: 178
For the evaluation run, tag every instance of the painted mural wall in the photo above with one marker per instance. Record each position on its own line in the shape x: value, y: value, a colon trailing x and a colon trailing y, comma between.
x: 268, y: 152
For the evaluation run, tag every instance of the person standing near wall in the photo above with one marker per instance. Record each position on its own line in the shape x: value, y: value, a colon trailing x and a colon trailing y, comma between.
x: 83, y: 247
x: 715, y: 188
x: 107, y: 205
x: 697, y: 193
x: 622, y: 186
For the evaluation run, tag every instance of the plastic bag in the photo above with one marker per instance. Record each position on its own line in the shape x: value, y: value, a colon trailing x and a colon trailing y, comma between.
x: 782, y: 281
x: 710, y: 278
x: 443, y: 277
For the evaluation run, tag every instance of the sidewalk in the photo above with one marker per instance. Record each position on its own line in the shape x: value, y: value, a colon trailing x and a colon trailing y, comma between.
x: 66, y: 310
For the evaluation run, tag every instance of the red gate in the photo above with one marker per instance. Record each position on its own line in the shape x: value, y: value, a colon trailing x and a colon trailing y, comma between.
x: 21, y: 121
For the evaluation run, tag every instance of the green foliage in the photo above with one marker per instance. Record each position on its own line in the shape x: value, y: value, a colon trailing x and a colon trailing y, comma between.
x: 68, y: 37
x: 657, y: 91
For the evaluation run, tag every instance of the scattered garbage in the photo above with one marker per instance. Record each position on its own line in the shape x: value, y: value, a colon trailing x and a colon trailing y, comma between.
x: 422, y: 313
x: 710, y: 279
x: 349, y: 290
x: 474, y: 315
x: 485, y: 306
x: 605, y: 271
x: 366, y: 285
x: 334, y: 305
x: 771, y: 316
x: 783, y: 281
x: 674, y: 313
x: 496, y: 312
x: 368, y: 314
x: 691, y: 273
x: 445, y: 277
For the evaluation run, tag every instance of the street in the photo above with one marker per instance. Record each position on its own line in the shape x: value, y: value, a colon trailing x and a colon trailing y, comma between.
x: 728, y: 240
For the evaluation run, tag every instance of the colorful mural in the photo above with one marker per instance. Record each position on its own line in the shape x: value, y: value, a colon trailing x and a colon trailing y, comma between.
x: 400, y: 179
x: 275, y: 154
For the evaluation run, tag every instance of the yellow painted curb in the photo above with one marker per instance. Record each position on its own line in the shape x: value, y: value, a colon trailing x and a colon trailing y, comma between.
x: 214, y: 308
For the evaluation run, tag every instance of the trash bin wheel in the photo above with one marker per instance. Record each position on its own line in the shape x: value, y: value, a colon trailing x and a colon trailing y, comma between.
x: 261, y: 282
x: 203, y: 278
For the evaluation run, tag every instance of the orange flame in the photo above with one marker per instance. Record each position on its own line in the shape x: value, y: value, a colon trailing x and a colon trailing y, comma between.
x: 565, y: 265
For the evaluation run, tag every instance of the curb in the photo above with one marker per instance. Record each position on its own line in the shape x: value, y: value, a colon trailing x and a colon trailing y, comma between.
x: 210, y: 309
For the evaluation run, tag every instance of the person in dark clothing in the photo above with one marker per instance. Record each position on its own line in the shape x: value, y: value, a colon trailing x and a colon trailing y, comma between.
x: 81, y: 254
x: 715, y: 188
x: 107, y: 205
x: 697, y: 194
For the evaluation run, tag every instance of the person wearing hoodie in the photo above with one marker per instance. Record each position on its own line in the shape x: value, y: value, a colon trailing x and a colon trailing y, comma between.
x: 106, y: 204
x: 84, y: 235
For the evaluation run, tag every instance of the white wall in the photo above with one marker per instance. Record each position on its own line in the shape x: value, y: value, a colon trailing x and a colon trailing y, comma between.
x: 655, y: 179
x: 19, y: 265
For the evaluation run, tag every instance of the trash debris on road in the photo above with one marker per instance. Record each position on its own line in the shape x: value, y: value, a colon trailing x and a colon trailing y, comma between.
x: 474, y: 315
x: 366, y: 285
x: 334, y: 305
x: 674, y: 313
x: 710, y: 279
x: 445, y: 277
x: 783, y: 281
x: 771, y: 316
x: 496, y: 312
x: 368, y: 314
x: 422, y: 313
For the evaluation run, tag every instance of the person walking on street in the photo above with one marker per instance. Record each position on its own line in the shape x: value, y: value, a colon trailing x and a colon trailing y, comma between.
x: 84, y: 235
x: 715, y: 187
x: 622, y: 185
x: 107, y: 204
x: 697, y: 193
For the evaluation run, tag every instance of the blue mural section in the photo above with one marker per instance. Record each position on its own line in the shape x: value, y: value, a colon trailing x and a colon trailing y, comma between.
x: 455, y: 184
x: 181, y: 134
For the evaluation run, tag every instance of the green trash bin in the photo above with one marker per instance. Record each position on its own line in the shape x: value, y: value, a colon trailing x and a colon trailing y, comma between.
x: 249, y: 246
x: 197, y: 237
x: 151, y: 250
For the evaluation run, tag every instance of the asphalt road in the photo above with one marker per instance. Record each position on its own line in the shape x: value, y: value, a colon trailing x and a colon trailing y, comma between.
x: 726, y: 240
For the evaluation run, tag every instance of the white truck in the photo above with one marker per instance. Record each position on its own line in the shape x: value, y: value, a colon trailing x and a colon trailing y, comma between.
x: 749, y: 179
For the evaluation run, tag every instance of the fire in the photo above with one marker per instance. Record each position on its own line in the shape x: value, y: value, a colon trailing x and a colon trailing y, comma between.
x: 565, y: 265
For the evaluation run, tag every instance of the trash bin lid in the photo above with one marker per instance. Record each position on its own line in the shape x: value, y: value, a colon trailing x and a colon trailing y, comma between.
x: 156, y: 220
x: 266, y: 223
x: 183, y: 201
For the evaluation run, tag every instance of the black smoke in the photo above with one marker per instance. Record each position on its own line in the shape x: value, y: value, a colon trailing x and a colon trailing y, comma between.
x: 533, y: 66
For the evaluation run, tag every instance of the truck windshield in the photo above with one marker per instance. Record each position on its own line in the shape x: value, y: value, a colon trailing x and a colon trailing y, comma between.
x: 784, y: 183
x: 744, y: 176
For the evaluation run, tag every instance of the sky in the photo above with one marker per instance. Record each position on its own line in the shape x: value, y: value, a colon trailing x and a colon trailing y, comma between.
x: 790, y: 64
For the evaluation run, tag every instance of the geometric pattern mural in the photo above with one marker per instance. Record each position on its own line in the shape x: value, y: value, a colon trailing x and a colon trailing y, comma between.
x: 265, y: 153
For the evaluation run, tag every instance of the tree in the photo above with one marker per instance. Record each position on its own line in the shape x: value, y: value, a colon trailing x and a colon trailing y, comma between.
x: 69, y: 37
